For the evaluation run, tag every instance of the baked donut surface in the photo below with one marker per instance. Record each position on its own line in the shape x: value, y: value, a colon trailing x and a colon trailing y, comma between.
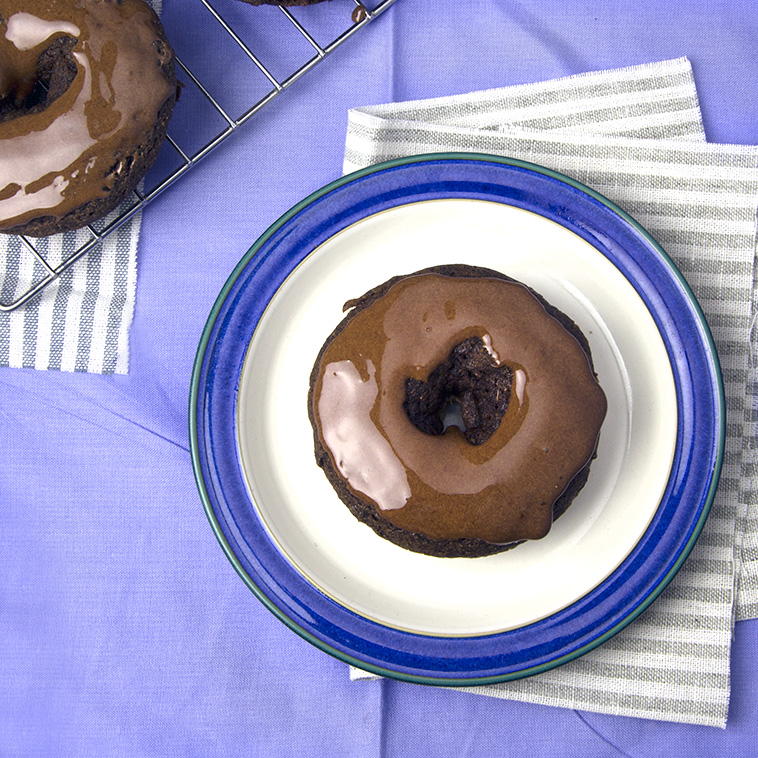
x: 87, y: 88
x: 529, y: 407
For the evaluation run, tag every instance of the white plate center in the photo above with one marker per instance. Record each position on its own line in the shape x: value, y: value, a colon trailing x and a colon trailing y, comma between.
x: 444, y: 596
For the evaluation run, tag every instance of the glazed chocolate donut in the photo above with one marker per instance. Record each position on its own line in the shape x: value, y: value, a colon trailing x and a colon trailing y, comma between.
x: 455, y: 411
x: 87, y: 88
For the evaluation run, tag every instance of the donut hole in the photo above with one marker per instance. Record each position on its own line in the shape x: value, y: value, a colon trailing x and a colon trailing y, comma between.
x: 469, y: 391
x: 34, y: 90
x: 452, y: 416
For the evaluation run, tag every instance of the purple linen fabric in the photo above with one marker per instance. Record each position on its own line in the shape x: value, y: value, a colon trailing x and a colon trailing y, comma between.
x: 123, y: 629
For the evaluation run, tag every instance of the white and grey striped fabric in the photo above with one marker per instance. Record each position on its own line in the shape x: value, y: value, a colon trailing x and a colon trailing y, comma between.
x: 636, y: 136
x: 81, y: 321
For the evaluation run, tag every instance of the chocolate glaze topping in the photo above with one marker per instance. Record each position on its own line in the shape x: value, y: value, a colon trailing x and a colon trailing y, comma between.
x: 56, y: 158
x: 441, y: 485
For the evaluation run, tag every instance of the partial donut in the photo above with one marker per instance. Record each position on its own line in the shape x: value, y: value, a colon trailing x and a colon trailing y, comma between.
x: 87, y: 89
x: 282, y: 2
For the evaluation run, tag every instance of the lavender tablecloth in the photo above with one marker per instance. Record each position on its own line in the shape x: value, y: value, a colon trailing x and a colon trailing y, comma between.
x: 123, y: 629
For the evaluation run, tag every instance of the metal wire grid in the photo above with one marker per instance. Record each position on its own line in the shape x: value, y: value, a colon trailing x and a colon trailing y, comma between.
x: 361, y: 16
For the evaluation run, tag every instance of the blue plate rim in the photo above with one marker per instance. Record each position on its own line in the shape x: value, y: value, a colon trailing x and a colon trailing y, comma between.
x: 378, y: 655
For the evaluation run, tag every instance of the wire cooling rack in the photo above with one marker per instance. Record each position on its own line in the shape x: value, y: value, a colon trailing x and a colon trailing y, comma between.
x: 319, y: 30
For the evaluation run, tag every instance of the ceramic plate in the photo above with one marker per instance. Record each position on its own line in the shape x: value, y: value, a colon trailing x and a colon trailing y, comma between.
x: 457, y: 621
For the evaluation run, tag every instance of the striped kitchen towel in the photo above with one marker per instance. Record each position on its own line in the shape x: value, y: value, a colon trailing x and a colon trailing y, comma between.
x: 636, y: 136
x: 81, y: 320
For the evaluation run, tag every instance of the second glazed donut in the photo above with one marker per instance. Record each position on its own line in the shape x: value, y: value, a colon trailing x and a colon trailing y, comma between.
x: 87, y: 89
